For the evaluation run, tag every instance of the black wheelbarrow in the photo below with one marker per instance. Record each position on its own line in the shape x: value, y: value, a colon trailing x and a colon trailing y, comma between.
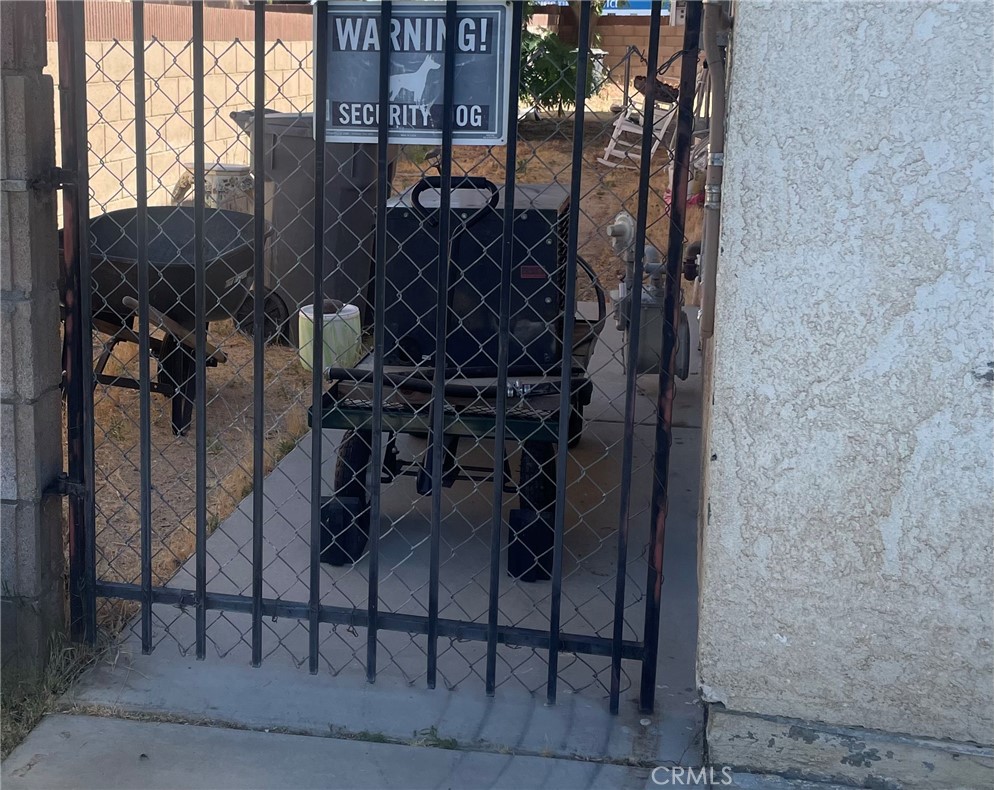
x: 469, y: 402
x: 228, y: 261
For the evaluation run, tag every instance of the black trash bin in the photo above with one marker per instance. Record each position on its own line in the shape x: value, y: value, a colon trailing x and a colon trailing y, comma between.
x: 349, y: 217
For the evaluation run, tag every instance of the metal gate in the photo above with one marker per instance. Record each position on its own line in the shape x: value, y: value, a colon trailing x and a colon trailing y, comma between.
x: 228, y: 503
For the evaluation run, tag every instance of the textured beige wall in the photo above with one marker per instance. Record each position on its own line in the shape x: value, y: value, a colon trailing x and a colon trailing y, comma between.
x: 846, y: 573
x: 228, y: 85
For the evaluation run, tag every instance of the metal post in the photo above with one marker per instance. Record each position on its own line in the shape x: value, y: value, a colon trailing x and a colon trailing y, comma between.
x: 671, y: 313
x: 566, y: 370
x: 77, y: 340
x: 258, y: 319
x: 379, y: 307
x: 441, y: 326
x: 504, y: 343
x: 317, y: 363
x: 200, y: 312
x: 144, y: 352
x: 634, y: 329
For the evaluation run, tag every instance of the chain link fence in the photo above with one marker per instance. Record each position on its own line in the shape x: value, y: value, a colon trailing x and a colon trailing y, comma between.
x: 434, y: 545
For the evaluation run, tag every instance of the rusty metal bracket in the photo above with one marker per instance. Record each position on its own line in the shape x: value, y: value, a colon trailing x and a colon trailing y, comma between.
x: 56, y: 178
x: 63, y: 486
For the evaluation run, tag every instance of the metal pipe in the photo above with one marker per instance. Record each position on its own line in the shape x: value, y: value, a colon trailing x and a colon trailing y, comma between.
x: 715, y: 24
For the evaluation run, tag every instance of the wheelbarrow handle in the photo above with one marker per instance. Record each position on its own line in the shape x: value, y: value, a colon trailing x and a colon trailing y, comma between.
x: 185, y: 336
x: 478, y: 183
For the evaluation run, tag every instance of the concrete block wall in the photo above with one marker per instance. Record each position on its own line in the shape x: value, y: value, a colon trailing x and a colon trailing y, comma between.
x: 228, y: 86
x: 31, y: 538
x: 615, y: 35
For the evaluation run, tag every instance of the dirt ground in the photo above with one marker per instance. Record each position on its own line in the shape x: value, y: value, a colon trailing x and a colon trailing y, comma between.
x: 544, y: 155
x: 229, y: 453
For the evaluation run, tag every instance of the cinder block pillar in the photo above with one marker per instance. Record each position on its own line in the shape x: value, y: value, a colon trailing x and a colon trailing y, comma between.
x: 31, y: 579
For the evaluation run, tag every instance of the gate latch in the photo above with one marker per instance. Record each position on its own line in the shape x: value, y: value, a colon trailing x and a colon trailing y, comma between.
x: 57, y: 178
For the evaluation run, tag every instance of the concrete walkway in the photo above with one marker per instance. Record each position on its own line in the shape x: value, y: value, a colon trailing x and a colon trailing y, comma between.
x: 116, y: 754
x: 278, y: 726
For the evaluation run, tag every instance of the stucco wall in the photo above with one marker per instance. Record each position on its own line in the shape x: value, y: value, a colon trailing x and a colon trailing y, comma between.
x: 847, y: 559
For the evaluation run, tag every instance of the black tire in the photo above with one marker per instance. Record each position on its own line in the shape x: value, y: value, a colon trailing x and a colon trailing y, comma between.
x: 275, y: 316
x: 346, y: 546
x: 683, y: 348
x: 537, y: 477
x: 575, y: 425
x: 529, y: 550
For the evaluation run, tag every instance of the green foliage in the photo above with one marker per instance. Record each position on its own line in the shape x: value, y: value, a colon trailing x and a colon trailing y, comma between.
x: 548, y: 68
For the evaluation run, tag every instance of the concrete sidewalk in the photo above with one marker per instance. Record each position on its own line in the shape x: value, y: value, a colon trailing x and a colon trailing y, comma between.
x: 115, y: 754
x: 221, y: 723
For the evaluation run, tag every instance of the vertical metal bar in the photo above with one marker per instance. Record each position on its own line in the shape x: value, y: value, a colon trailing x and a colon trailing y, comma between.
x: 258, y: 318
x: 379, y: 307
x: 144, y: 352
x: 671, y: 319
x: 504, y: 343
x: 566, y: 370
x: 634, y: 327
x: 77, y: 340
x: 628, y: 76
x: 317, y: 364
x: 200, y: 312
x: 441, y: 324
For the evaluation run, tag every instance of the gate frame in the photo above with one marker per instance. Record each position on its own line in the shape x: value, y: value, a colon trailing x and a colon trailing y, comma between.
x: 84, y: 587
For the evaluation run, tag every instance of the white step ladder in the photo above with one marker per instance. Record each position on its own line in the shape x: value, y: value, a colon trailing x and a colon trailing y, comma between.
x: 624, y: 149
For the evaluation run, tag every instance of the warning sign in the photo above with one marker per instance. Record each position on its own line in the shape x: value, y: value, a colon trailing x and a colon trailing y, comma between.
x: 417, y: 40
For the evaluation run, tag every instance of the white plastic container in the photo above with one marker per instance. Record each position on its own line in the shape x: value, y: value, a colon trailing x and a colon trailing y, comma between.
x: 342, y: 332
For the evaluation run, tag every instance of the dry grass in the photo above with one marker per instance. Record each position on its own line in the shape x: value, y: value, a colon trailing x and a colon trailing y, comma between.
x: 26, y: 698
x: 229, y: 456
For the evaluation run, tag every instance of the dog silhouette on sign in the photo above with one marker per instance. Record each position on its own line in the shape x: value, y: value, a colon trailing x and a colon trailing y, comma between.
x: 413, y: 82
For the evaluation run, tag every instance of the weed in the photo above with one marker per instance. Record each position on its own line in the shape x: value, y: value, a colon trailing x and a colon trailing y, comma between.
x: 371, y: 737
x: 430, y: 738
x: 26, y: 697
x: 116, y: 430
x: 283, y: 448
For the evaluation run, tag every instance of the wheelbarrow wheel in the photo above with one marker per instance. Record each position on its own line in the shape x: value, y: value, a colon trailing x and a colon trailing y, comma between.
x: 343, y: 538
x: 275, y: 316
x: 537, y: 478
x: 529, y: 550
